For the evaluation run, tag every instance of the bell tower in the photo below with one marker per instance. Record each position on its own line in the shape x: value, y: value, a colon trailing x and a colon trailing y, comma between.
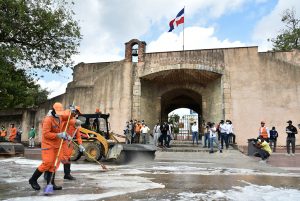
x: 134, y: 50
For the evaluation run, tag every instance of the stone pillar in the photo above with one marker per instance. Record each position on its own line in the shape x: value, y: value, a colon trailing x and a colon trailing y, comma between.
x: 136, y: 96
x: 226, y: 90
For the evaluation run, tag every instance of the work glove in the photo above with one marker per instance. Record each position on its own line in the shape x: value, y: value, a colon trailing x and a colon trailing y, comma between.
x: 72, y: 109
x: 69, y: 138
x: 81, y: 148
x: 62, y: 135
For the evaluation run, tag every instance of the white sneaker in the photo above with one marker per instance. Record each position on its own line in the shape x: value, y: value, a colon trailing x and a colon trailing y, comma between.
x: 292, y: 154
x: 263, y: 161
x: 287, y: 154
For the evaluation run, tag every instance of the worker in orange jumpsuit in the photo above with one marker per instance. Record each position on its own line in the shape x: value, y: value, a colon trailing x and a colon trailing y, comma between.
x: 52, y: 134
x: 72, y: 131
x: 12, y: 133
x: 67, y: 146
x: 3, y: 134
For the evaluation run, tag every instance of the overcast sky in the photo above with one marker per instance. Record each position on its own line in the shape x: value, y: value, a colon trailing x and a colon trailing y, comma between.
x: 107, y: 24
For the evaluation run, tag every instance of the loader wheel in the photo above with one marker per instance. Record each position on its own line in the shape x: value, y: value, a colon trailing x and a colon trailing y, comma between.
x: 94, y: 152
x: 76, y: 154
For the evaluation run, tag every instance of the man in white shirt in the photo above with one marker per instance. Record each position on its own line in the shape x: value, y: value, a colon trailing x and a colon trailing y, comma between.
x: 223, y: 131
x: 144, y: 134
x: 195, y: 132
x: 156, y: 134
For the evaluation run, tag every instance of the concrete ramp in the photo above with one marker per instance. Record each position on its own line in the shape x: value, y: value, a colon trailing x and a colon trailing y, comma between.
x: 11, y: 149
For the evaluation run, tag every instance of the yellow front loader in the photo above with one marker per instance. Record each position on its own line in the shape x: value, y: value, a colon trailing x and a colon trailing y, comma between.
x: 101, y: 144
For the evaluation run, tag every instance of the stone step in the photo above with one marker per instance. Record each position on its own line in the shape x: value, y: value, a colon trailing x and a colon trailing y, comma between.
x: 189, y: 149
x: 11, y: 149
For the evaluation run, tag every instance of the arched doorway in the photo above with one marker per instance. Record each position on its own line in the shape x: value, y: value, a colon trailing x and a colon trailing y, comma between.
x: 164, y: 91
x: 180, y: 98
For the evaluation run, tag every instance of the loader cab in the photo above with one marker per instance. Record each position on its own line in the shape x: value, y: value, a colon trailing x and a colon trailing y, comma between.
x: 96, y: 122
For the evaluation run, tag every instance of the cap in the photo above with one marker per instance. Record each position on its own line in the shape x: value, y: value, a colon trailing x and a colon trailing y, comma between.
x: 289, y: 122
x: 58, y: 108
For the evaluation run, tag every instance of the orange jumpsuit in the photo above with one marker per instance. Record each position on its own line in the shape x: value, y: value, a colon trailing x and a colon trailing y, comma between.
x: 13, y: 134
x: 68, y: 147
x: 3, y: 133
x: 51, y: 126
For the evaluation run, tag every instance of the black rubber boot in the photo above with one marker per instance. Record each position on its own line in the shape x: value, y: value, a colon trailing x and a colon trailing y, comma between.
x: 45, y: 175
x: 67, y: 170
x: 34, y: 178
x: 52, y: 182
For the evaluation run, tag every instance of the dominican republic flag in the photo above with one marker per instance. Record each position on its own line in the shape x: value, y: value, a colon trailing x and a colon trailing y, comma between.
x: 179, y: 19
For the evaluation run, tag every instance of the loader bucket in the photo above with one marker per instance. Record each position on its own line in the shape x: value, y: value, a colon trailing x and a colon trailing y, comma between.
x: 125, y: 153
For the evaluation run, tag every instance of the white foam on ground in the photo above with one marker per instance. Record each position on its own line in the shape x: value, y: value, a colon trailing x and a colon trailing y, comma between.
x: 250, y: 192
x: 111, y: 185
x: 212, y: 171
x: 35, y: 163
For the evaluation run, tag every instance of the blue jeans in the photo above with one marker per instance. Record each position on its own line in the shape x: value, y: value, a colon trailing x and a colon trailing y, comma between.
x: 195, y: 136
x: 206, y: 140
x: 212, y: 140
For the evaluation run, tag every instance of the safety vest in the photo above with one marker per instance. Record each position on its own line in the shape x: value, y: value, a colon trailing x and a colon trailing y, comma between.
x: 264, y: 132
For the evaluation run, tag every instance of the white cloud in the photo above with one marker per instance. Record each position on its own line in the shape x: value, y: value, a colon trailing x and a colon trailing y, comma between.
x: 194, y: 38
x: 270, y: 25
x: 55, y: 87
x: 107, y: 25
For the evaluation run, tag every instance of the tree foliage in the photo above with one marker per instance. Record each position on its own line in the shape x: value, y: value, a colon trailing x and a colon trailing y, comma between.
x: 34, y: 34
x: 174, y: 120
x: 17, y: 89
x: 289, y: 38
x: 38, y: 34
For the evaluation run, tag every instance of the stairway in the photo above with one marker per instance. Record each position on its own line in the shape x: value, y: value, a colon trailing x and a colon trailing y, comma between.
x: 187, y: 146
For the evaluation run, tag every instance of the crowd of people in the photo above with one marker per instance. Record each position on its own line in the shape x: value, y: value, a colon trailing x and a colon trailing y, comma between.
x: 11, y: 135
x: 270, y: 137
x: 138, y: 132
x: 221, y: 134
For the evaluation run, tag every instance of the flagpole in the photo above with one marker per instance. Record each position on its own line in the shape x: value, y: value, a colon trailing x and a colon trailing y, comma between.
x: 183, y: 30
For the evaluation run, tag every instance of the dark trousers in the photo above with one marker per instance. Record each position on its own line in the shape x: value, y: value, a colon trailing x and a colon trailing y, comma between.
x: 231, y: 138
x: 224, y: 139
x: 132, y: 137
x: 290, y: 140
x: 164, y: 138
x: 168, y: 140
x: 273, y: 143
x: 263, y: 154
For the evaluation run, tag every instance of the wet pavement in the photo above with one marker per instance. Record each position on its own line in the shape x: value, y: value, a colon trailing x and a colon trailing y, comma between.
x: 171, y: 176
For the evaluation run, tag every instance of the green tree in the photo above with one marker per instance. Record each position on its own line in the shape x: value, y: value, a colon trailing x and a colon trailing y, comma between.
x: 17, y: 89
x: 38, y: 34
x: 174, y: 120
x: 289, y: 37
x: 34, y: 34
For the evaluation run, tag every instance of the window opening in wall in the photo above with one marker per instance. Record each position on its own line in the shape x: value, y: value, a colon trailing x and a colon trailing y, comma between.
x: 134, y: 53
